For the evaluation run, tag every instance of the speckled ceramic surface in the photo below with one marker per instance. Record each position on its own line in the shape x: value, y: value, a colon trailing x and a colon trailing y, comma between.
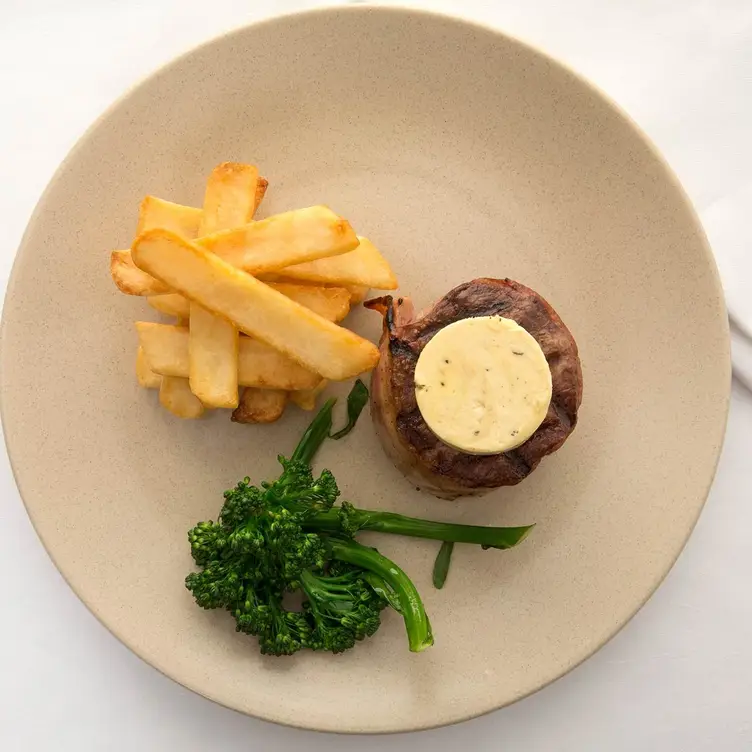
x: 461, y: 153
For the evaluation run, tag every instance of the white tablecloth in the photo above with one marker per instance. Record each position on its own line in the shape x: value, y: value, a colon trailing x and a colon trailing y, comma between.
x: 679, y: 677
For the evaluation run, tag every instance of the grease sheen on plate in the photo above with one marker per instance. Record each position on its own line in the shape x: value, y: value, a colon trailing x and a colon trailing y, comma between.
x: 465, y: 154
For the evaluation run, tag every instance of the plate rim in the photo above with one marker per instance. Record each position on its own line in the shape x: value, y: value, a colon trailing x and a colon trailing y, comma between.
x: 365, y: 9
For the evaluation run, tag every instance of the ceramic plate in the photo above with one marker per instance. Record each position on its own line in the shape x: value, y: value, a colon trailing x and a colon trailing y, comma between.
x: 460, y: 152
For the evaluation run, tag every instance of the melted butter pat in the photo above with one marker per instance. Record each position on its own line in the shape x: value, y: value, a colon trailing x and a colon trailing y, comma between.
x: 483, y: 385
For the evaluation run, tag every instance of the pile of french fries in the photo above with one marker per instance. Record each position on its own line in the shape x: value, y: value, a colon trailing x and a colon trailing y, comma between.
x: 257, y: 303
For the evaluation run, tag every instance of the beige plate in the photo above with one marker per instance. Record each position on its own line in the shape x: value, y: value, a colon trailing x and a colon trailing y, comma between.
x: 461, y: 153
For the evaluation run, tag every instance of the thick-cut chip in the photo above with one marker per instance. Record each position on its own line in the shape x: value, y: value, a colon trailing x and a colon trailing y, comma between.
x: 172, y: 304
x: 166, y: 351
x: 130, y: 279
x: 283, y: 239
x: 175, y: 394
x: 230, y: 200
x: 156, y: 212
x: 358, y: 293
x: 260, y: 406
x: 146, y: 377
x: 255, y: 308
x: 305, y: 399
x: 265, y: 367
x: 333, y: 303
x: 364, y: 266
x: 213, y: 358
x: 165, y: 347
x: 261, y: 187
x: 230, y: 197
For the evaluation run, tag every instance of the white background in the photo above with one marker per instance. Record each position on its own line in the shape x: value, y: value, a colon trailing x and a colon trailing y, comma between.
x: 679, y: 676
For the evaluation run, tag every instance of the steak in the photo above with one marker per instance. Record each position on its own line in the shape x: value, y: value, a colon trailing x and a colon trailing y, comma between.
x: 424, y: 459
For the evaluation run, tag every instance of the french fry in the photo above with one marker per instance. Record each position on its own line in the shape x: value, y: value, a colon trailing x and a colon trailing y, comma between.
x: 165, y: 348
x: 283, y: 239
x: 261, y: 187
x: 153, y: 212
x: 305, y: 399
x: 253, y: 307
x: 358, y: 293
x: 265, y: 367
x: 171, y: 304
x: 166, y: 351
x: 260, y: 406
x: 364, y: 266
x: 213, y: 358
x: 226, y: 205
x: 333, y: 303
x: 176, y: 396
x: 174, y: 393
x: 230, y: 200
x: 156, y: 212
x: 146, y: 377
x: 230, y: 197
x: 130, y: 279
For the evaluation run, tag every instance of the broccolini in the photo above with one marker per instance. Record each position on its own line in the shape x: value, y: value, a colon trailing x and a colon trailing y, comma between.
x: 290, y: 536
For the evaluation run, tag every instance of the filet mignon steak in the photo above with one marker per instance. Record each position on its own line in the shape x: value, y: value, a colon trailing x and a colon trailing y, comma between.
x: 428, y: 462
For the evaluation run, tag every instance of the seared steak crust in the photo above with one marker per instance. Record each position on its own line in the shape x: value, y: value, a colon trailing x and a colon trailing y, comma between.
x: 415, y: 449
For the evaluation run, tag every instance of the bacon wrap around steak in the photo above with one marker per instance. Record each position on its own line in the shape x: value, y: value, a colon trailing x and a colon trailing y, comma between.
x: 428, y: 462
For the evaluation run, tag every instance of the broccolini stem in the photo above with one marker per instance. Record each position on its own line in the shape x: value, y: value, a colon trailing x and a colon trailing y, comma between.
x: 315, y: 434
x: 418, y: 627
x: 398, y: 524
x: 321, y: 426
x: 356, y: 401
x: 441, y: 565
